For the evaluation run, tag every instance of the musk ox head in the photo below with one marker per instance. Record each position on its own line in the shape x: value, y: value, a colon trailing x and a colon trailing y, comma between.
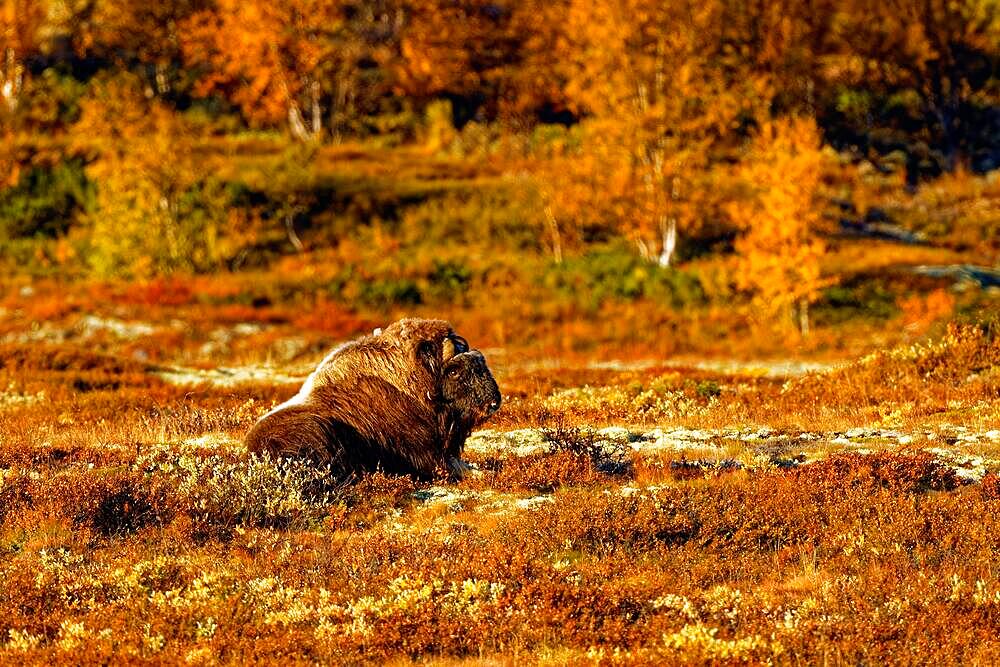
x: 469, y: 389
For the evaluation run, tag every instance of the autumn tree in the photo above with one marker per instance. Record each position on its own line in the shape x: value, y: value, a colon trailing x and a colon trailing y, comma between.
x: 946, y: 51
x: 537, y: 83
x: 21, y: 24
x: 647, y: 73
x: 575, y: 189
x: 435, y: 49
x: 786, y: 43
x: 156, y: 209
x: 498, y: 57
x: 296, y: 62
x: 140, y: 36
x: 267, y: 57
x: 779, y: 250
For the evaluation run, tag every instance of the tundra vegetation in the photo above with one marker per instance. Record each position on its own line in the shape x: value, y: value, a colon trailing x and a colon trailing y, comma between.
x: 733, y: 266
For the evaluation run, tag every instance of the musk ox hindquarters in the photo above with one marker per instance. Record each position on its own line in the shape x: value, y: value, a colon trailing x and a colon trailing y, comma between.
x: 402, y: 400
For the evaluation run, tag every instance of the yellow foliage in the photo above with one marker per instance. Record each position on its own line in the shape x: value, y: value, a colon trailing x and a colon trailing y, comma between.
x: 581, y: 183
x: 156, y: 209
x: 780, y: 254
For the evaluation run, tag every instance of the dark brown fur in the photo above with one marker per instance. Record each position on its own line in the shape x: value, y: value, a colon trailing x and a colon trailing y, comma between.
x: 471, y: 396
x: 385, y: 401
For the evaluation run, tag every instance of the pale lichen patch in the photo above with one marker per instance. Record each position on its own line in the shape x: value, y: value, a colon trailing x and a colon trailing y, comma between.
x: 224, y: 376
x: 521, y: 442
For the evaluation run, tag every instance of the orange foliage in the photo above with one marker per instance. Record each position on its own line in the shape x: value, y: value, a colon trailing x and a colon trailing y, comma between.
x: 281, y: 66
x: 333, y: 319
x: 920, y: 312
x: 436, y: 49
x: 10, y: 165
x: 511, y: 49
x: 20, y: 25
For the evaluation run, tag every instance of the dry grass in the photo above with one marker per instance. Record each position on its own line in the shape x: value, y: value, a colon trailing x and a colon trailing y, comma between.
x: 844, y: 558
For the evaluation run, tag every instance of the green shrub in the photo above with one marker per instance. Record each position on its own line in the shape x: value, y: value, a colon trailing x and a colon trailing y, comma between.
x: 449, y: 279
x: 45, y: 202
x: 499, y: 216
x: 22, y: 255
x: 385, y: 292
x: 617, y: 274
x: 708, y: 389
x: 408, y: 282
x: 54, y: 100
x: 864, y: 298
x: 132, y: 236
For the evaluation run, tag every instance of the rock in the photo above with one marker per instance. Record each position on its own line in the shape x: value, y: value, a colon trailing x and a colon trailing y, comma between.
x: 89, y: 325
x: 878, y: 227
x: 617, y: 434
x: 533, y: 502
x: 521, y: 442
x: 962, y: 273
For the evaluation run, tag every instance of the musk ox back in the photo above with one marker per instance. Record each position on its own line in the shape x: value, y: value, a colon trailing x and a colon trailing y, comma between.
x: 402, y: 400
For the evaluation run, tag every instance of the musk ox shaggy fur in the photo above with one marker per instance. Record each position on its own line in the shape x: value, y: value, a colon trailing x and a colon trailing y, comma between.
x: 402, y: 400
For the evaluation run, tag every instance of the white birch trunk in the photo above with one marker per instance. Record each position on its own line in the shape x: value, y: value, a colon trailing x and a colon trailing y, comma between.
x: 550, y: 220
x: 296, y: 124
x: 317, y: 112
x: 668, y: 233
x: 12, y: 80
x: 290, y: 230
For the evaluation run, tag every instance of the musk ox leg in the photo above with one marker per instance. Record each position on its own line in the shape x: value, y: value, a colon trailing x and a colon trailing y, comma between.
x: 457, y: 468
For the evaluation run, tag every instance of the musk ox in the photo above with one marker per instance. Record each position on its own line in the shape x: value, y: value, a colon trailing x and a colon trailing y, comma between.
x: 402, y: 400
